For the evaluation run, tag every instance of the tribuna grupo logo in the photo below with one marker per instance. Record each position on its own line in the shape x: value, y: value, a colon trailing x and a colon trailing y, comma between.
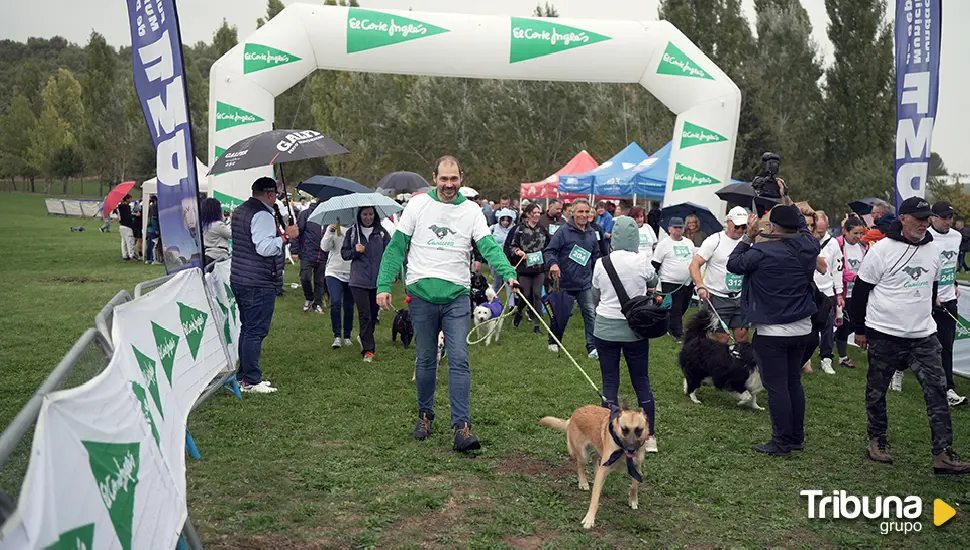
x: 898, y: 514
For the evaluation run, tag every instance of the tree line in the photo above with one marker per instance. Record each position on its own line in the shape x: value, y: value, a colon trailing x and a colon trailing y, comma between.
x: 72, y: 110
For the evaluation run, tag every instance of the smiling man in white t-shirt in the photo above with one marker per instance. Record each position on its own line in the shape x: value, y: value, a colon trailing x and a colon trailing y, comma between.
x: 436, y: 233
x: 892, y: 305
x: 717, y: 286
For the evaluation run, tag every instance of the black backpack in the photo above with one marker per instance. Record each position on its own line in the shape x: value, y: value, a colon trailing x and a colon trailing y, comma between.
x: 645, y: 317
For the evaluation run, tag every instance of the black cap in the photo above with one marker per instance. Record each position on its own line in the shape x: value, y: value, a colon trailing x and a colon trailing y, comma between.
x: 788, y: 217
x: 264, y: 184
x: 676, y: 222
x: 942, y: 209
x: 916, y: 207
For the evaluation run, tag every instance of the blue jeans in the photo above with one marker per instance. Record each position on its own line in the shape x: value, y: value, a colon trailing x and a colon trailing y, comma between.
x: 454, y: 319
x: 587, y: 306
x: 150, y: 247
x: 256, y: 305
x: 340, y: 296
x: 637, y: 363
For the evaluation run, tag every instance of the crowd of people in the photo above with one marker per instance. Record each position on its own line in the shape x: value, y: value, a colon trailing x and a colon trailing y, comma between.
x: 783, y: 280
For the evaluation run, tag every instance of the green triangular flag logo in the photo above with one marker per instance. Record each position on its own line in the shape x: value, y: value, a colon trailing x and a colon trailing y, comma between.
x: 193, y: 325
x: 232, y: 302
x: 225, y: 325
x: 257, y: 57
x: 228, y: 201
x: 219, y: 152
x: 167, y: 343
x: 675, y: 62
x: 698, y: 135
x: 146, y: 410
x: 532, y: 38
x: 228, y: 116
x: 147, y: 366
x: 367, y: 29
x: 685, y: 178
x: 115, y: 469
x: 80, y: 538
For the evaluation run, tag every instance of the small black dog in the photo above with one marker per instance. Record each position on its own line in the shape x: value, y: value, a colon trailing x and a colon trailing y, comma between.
x: 402, y: 325
x: 734, y: 370
x: 478, y: 290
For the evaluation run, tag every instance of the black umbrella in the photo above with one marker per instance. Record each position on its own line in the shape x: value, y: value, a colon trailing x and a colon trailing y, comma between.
x: 709, y: 223
x: 863, y: 206
x: 275, y: 147
x: 396, y: 183
x: 559, y: 304
x: 743, y: 194
x: 328, y: 187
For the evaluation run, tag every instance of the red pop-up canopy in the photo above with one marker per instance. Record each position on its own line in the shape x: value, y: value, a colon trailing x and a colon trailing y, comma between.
x: 548, y: 188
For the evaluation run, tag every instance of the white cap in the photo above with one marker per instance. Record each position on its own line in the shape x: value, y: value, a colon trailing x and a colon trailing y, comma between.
x: 738, y: 215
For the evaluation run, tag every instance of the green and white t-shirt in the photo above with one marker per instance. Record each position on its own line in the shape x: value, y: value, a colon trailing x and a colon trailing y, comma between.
x: 949, y: 246
x: 901, y: 302
x: 854, y: 254
x: 716, y: 250
x: 648, y: 240
x: 437, y: 239
x: 441, y: 238
x: 674, y: 258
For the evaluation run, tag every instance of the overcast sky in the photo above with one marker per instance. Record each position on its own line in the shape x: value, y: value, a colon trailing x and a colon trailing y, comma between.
x: 75, y: 19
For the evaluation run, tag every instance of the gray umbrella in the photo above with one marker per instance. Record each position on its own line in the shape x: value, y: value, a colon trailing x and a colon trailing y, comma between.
x: 396, y: 183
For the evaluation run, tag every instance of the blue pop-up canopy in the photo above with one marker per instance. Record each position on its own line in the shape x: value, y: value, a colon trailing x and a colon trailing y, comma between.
x: 646, y: 180
x: 584, y: 184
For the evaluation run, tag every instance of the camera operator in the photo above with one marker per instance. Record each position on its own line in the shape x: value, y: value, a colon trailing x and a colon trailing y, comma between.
x: 777, y: 299
x: 717, y: 286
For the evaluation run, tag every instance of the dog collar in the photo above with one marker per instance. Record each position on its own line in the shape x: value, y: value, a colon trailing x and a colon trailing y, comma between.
x: 631, y: 468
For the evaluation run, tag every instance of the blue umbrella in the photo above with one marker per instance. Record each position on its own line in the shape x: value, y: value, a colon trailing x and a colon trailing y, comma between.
x: 328, y: 187
x: 343, y: 209
x: 559, y: 304
x: 709, y: 223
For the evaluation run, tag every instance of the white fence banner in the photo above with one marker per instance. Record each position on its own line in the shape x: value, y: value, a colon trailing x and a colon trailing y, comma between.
x: 226, y: 310
x: 73, y: 207
x: 97, y: 477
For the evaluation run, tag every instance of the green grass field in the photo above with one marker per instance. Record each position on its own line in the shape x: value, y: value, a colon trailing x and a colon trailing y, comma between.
x: 328, y: 460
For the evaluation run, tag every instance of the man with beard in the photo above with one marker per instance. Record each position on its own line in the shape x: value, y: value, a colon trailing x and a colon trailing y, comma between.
x: 436, y: 234
x: 892, y: 304
x: 553, y: 218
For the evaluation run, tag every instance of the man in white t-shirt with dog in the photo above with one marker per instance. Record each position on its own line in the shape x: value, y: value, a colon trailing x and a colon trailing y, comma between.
x: 892, y: 315
x: 671, y: 259
x: 717, y: 286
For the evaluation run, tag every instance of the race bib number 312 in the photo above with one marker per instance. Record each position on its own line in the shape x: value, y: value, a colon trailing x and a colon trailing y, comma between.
x: 733, y: 282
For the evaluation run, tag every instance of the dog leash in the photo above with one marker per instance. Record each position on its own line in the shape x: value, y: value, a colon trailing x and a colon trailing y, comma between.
x: 504, y: 314
x: 724, y: 326
x: 961, y: 328
x: 561, y: 346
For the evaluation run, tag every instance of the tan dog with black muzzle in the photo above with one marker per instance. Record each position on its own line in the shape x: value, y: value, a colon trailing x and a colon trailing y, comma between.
x: 615, y: 435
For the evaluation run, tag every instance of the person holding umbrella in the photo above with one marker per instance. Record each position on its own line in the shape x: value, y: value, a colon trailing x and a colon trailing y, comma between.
x: 570, y: 256
x: 255, y: 274
x: 364, y: 247
x: 436, y: 233
x: 338, y: 285
x: 127, y: 229
x: 693, y: 231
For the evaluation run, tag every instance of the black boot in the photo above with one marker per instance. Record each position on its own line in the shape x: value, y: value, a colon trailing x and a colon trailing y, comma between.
x: 423, y: 428
x: 465, y: 440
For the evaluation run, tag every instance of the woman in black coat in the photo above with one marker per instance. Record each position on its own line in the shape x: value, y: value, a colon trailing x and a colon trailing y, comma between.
x: 524, y: 247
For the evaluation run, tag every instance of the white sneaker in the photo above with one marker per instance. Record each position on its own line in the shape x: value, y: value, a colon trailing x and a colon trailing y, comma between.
x: 359, y: 343
x: 262, y: 387
x: 827, y: 366
x: 318, y: 309
x: 897, y: 382
x: 336, y: 343
x: 594, y: 354
x: 306, y: 305
x: 347, y: 341
x: 651, y: 445
x: 554, y: 348
x: 955, y: 399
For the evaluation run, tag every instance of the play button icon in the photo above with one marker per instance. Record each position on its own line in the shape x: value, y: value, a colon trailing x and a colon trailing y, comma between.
x: 942, y: 512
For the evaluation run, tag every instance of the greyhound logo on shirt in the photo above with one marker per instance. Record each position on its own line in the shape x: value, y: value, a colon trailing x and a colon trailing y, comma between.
x: 854, y: 264
x: 948, y: 254
x: 441, y: 233
x: 915, y: 271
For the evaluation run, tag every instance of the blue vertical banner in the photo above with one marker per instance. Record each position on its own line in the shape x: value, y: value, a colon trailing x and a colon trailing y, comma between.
x: 156, y: 51
x: 918, y: 27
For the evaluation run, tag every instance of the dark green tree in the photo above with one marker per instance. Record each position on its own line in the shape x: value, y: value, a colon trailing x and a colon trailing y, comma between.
x: 225, y: 38
x: 66, y: 162
x: 273, y: 8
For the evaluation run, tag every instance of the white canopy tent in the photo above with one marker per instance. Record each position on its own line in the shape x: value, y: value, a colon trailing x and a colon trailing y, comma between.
x: 150, y: 187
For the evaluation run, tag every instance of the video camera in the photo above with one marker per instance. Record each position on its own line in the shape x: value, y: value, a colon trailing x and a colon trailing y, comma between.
x: 766, y: 184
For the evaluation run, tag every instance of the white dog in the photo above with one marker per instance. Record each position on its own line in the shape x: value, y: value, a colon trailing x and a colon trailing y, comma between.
x: 488, y: 318
x: 439, y: 356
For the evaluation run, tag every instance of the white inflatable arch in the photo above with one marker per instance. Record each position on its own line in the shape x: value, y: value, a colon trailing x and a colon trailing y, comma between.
x: 244, y: 83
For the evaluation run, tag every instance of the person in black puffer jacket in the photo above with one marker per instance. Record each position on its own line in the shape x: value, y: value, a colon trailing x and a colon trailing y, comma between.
x: 524, y: 247
x: 313, y: 259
